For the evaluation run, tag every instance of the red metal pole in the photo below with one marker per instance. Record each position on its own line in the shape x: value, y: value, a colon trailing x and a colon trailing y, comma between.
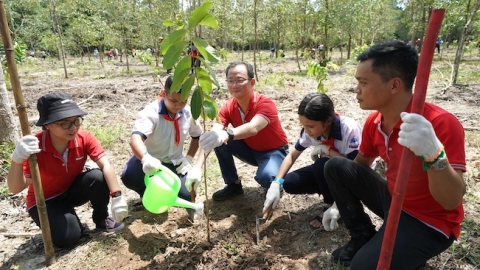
x: 423, y: 73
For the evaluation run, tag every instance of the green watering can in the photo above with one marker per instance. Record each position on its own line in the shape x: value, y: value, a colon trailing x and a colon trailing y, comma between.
x: 162, y: 192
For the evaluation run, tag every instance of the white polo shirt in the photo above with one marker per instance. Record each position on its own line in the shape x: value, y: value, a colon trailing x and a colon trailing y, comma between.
x: 346, y: 131
x: 159, y: 134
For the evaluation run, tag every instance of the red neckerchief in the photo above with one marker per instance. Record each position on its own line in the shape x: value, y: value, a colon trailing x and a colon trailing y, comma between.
x: 330, y: 141
x: 168, y: 118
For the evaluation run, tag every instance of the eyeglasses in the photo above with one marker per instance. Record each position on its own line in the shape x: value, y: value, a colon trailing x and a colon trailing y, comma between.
x: 68, y: 125
x: 237, y: 82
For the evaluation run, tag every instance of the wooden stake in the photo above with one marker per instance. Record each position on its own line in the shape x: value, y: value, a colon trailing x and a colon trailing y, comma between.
x: 22, y: 114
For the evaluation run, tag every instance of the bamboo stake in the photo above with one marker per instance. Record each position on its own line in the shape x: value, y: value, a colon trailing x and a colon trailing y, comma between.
x: 423, y: 72
x: 22, y: 114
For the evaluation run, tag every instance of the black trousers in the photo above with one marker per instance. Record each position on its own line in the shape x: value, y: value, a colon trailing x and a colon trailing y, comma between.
x: 65, y: 226
x: 351, y: 185
x: 309, y: 180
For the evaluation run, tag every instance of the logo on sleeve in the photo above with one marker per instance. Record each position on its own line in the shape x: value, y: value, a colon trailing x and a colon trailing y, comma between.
x: 354, y: 143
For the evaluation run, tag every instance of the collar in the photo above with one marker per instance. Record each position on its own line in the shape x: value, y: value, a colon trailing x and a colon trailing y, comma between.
x: 251, y: 103
x: 336, y: 131
x: 47, y: 145
x: 379, y: 119
x: 162, y: 109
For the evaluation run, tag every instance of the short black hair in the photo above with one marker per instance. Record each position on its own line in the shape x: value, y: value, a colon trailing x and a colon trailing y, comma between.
x: 317, y: 107
x: 249, y: 67
x: 392, y: 59
x: 168, y: 84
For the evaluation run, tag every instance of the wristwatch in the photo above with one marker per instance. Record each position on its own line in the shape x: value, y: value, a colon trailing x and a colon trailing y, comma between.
x: 440, y: 164
x: 230, y: 135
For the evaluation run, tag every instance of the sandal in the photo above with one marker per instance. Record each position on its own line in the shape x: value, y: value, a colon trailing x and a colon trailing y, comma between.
x: 319, y: 219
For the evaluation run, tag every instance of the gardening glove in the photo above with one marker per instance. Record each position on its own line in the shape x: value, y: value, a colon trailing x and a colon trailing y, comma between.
x: 212, y: 139
x: 119, y: 209
x: 273, y: 196
x: 150, y: 164
x: 25, y: 147
x: 194, y: 176
x: 417, y: 134
x: 330, y: 218
x: 185, y: 164
x: 319, y: 151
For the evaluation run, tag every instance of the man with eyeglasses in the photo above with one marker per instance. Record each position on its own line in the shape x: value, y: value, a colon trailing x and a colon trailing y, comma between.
x: 255, y: 136
x: 62, y: 149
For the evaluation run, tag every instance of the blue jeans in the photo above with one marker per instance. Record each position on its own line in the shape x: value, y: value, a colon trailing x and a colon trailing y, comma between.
x: 352, y: 184
x: 268, y: 162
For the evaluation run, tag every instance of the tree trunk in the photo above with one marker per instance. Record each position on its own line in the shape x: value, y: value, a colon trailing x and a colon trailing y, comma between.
x: 461, y: 41
x: 8, y: 124
x: 255, y: 40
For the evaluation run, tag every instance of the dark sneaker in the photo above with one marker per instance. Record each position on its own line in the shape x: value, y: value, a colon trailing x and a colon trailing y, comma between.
x: 228, y: 192
x: 345, y: 254
x: 110, y: 225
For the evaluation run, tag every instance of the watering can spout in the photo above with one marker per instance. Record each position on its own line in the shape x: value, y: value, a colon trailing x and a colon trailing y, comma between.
x: 184, y: 203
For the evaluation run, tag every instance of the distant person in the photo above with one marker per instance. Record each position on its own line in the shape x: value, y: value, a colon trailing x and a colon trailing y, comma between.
x: 43, y: 55
x: 418, y: 43
x: 256, y: 136
x: 438, y: 43
x: 62, y: 149
x: 95, y: 52
x: 195, y: 54
x: 157, y: 141
x: 331, y: 135
x: 272, y: 52
x: 109, y: 55
x: 432, y: 208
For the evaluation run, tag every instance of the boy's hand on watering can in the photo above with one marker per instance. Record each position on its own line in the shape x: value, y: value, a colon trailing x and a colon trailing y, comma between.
x: 119, y: 208
x: 194, y: 176
x: 185, y: 164
x: 150, y: 164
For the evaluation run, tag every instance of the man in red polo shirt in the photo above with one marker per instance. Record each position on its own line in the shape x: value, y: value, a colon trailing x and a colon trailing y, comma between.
x: 256, y: 136
x: 432, y: 209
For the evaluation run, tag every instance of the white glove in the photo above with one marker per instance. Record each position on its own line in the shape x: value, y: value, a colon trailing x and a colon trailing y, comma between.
x: 212, y: 139
x: 194, y: 176
x: 319, y: 151
x: 330, y: 218
x: 119, y: 209
x: 150, y: 164
x: 26, y: 146
x: 273, y: 196
x: 417, y: 134
x: 185, y: 164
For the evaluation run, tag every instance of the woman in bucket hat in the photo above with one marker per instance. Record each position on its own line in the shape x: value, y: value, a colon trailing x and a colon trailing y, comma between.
x: 62, y: 149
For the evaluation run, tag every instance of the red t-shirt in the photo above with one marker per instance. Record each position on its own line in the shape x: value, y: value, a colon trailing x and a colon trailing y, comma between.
x: 418, y: 201
x: 271, y: 137
x: 56, y: 174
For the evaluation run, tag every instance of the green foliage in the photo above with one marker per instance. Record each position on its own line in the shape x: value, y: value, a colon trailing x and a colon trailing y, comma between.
x: 319, y: 70
x: 20, y: 54
x: 185, y: 77
x: 223, y: 53
x: 6, y: 149
x: 359, y: 49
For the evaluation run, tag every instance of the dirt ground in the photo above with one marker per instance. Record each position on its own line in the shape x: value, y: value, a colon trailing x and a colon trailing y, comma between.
x: 170, y: 240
